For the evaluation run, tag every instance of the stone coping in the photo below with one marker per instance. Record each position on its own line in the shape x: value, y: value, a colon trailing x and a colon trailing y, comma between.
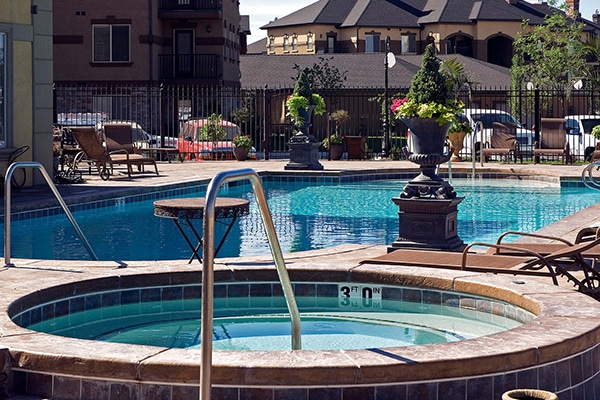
x: 567, y: 323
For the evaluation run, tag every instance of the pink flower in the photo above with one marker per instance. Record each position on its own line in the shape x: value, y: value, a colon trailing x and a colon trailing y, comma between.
x: 397, y: 103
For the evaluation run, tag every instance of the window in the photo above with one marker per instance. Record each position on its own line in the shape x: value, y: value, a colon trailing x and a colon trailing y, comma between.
x: 271, y: 44
x: 2, y: 89
x: 409, y: 44
x: 294, y: 43
x: 372, y: 44
x: 286, y: 44
x: 309, y: 42
x: 111, y: 43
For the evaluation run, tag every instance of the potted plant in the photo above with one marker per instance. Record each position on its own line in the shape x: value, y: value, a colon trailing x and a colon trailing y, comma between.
x: 428, y: 110
x: 212, y: 129
x: 335, y: 143
x: 303, y: 101
x: 304, y: 148
x: 242, y: 144
x: 457, y: 131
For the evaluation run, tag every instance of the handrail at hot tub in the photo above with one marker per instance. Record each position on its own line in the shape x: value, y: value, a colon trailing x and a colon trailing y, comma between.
x: 208, y: 250
x: 7, y: 207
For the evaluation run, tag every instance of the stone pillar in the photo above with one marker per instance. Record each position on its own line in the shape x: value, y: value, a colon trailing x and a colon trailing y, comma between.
x: 428, y: 224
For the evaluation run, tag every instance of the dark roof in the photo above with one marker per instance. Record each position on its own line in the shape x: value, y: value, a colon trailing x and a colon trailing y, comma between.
x: 415, y: 13
x: 258, y: 47
x: 365, y: 70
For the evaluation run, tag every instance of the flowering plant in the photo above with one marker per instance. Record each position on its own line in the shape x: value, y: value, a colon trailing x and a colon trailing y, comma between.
x: 460, y: 126
x: 243, y: 141
x: 302, y: 98
x: 596, y: 132
x: 429, y: 95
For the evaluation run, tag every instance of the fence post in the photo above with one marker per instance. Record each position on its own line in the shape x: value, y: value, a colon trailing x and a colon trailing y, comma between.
x: 267, y: 121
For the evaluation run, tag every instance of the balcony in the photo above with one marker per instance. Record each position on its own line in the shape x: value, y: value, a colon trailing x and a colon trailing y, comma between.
x: 170, y: 9
x: 191, y: 66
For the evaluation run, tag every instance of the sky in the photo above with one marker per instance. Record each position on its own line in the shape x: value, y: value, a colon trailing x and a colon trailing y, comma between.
x: 261, y: 12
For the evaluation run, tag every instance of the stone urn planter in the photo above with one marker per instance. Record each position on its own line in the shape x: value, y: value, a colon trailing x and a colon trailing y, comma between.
x: 529, y: 394
x: 426, y: 148
x: 456, y: 142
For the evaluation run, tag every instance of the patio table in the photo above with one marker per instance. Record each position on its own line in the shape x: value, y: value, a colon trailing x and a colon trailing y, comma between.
x: 184, y: 211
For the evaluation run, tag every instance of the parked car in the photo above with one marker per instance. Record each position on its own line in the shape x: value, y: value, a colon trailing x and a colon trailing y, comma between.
x: 579, y: 135
x: 191, y: 140
x: 81, y: 118
x: 487, y: 117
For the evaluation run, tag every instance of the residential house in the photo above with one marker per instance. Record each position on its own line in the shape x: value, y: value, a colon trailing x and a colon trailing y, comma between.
x: 26, y: 81
x: 484, y: 30
x: 138, y: 41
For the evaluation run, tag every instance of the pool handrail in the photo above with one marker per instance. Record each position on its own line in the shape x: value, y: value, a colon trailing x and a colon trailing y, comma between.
x: 587, y: 178
x: 7, y: 207
x: 208, y: 251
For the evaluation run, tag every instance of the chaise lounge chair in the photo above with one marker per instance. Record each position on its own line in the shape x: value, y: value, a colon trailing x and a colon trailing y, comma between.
x: 96, y: 153
x: 521, y: 262
x: 119, y: 139
x: 503, y: 142
x: 553, y: 141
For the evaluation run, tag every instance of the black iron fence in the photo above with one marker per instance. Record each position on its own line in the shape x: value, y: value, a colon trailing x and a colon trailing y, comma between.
x: 161, y: 110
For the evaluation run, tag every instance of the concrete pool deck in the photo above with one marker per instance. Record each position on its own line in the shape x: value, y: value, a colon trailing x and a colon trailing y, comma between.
x: 15, y: 279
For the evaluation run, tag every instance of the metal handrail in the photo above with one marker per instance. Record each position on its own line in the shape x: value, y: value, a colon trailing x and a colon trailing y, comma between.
x: 208, y: 268
x: 587, y: 178
x: 7, y: 207
x: 478, y: 128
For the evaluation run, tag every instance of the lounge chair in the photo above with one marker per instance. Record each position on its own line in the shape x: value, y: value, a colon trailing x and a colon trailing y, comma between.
x: 503, y: 142
x: 119, y: 140
x: 553, y: 141
x: 521, y: 262
x: 96, y: 153
x: 547, y: 244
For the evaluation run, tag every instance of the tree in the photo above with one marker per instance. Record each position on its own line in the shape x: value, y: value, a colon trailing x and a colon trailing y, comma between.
x: 322, y: 75
x: 551, y: 55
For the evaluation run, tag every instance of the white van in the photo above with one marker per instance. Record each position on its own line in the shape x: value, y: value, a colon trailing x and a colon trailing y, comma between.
x: 579, y: 135
x: 487, y: 117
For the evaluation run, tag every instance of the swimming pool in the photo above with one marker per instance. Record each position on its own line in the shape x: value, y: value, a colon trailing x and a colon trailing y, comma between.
x: 306, y: 217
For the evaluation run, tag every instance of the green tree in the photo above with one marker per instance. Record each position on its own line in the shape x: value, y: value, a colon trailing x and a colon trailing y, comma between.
x: 322, y: 75
x: 551, y: 55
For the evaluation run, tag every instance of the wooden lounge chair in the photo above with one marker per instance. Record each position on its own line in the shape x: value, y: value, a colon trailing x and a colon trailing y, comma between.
x: 521, y: 262
x: 96, y: 153
x: 119, y: 141
x: 553, y: 141
x: 503, y: 142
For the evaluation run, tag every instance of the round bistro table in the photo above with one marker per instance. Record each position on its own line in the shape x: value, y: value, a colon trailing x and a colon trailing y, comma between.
x: 183, y: 211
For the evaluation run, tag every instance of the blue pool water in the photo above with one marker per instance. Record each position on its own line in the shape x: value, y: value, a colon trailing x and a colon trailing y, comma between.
x: 305, y: 217
x: 387, y: 318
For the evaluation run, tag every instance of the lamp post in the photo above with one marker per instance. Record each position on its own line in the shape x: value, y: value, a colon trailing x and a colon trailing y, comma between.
x: 390, y: 61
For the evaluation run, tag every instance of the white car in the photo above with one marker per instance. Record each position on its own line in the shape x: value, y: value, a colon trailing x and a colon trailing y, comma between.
x: 579, y: 135
x: 487, y: 117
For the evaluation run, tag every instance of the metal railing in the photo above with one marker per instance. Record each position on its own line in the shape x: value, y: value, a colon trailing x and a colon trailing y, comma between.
x: 208, y: 253
x: 7, y: 207
x: 587, y: 176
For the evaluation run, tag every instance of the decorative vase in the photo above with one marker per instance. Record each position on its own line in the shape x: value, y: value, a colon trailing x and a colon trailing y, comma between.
x: 336, y: 151
x: 426, y: 148
x: 240, y: 153
x: 456, y: 141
